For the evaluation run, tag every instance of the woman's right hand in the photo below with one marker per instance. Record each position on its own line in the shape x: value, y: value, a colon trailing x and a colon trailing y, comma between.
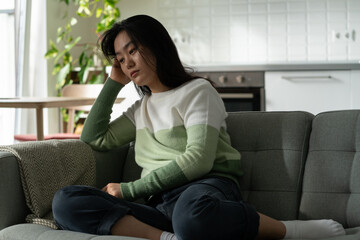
x: 113, y: 189
x: 117, y: 74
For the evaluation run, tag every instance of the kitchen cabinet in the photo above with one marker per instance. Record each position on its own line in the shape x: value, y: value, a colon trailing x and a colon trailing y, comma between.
x: 312, y: 91
x: 355, y: 88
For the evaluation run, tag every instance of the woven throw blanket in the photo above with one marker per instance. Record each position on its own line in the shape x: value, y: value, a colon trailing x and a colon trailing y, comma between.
x: 47, y: 166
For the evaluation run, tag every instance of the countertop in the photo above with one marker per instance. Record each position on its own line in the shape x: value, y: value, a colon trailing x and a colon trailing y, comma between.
x: 299, y: 66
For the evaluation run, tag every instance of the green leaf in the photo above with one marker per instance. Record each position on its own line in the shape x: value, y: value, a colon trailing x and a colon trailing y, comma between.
x: 56, y: 69
x: 52, y: 45
x: 92, y: 79
x: 67, y: 58
x: 51, y: 53
x: 84, y: 71
x: 81, y: 57
x: 81, y: 14
x: 65, y: 114
x: 68, y: 47
x: 78, y: 115
x: 80, y: 10
x: 83, y: 74
x: 99, y: 28
x: 59, y: 56
x: 97, y: 79
x: 68, y: 81
x: 117, y: 13
x: 65, y: 1
x: 111, y: 3
x: 98, y: 12
x: 87, y: 11
x: 64, y: 71
x: 84, y: 9
x: 73, y: 21
x: 109, y: 24
x: 68, y: 27
x: 60, y: 37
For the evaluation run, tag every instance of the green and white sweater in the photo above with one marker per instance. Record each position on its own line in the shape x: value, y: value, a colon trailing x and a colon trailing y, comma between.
x: 180, y: 136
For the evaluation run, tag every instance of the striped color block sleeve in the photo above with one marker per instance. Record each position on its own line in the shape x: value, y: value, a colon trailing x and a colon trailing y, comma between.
x: 98, y: 131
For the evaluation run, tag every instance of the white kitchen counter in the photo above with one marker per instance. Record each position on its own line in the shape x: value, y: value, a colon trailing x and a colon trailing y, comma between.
x: 301, y: 66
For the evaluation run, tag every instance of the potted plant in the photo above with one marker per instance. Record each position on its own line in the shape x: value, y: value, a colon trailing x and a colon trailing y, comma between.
x: 89, y: 66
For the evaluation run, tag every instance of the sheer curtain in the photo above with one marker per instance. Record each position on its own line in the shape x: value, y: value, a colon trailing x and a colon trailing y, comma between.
x: 23, y: 67
x: 32, y: 66
x: 7, y: 69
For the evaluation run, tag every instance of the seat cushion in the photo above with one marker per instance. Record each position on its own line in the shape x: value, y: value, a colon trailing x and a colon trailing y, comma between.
x: 38, y: 232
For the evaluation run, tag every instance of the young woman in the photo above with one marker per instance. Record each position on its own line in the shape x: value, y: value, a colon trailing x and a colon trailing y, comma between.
x: 189, y: 169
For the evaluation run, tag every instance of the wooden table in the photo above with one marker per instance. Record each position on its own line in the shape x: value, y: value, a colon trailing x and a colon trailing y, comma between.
x: 39, y: 103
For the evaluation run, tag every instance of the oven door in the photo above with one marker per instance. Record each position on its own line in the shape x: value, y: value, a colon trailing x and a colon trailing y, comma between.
x: 243, y: 99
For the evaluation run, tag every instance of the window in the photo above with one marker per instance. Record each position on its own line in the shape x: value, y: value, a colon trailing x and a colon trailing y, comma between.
x: 7, y: 69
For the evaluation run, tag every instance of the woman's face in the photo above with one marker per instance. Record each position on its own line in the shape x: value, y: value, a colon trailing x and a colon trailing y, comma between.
x: 133, y: 64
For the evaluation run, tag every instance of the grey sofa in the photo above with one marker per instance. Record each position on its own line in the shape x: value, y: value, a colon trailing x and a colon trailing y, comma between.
x: 296, y: 165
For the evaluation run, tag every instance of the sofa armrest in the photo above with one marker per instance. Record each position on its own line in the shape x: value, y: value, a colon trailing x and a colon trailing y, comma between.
x: 13, y: 209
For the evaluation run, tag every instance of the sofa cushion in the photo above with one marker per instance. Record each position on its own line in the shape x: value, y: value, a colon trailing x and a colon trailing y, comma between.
x: 273, y: 147
x: 13, y: 208
x: 110, y: 165
x: 37, y: 232
x: 131, y: 171
x: 331, y: 186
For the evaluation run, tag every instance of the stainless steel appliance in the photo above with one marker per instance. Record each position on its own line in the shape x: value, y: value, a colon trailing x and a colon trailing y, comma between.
x: 240, y: 91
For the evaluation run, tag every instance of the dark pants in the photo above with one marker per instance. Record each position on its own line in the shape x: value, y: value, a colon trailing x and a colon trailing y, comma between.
x: 209, y: 208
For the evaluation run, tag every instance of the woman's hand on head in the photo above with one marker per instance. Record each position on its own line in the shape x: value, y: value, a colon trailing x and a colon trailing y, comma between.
x: 113, y: 189
x: 117, y: 74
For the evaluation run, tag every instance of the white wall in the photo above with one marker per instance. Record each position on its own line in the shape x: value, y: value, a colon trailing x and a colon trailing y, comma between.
x: 257, y: 31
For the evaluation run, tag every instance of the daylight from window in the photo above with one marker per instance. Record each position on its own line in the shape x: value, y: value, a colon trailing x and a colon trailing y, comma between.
x: 7, y: 68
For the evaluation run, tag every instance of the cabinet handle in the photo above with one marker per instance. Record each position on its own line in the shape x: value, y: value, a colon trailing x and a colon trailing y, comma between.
x: 237, y: 95
x: 299, y: 78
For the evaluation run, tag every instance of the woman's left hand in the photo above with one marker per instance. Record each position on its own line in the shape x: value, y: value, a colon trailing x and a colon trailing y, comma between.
x: 113, y: 189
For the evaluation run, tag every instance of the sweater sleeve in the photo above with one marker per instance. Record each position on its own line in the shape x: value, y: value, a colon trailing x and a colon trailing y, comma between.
x: 98, y: 131
x: 197, y: 160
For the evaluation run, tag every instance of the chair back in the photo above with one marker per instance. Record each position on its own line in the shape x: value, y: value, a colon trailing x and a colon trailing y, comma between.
x: 82, y: 90
x: 79, y: 90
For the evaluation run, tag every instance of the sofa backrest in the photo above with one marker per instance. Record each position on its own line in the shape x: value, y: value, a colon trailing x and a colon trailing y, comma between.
x: 273, y: 147
x: 331, y: 187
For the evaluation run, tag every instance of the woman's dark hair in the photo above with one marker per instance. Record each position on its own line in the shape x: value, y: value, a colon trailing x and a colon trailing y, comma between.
x: 151, y: 34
